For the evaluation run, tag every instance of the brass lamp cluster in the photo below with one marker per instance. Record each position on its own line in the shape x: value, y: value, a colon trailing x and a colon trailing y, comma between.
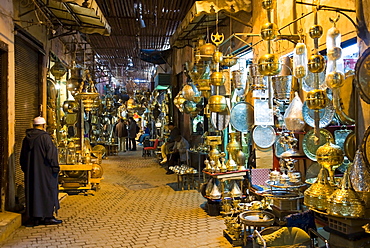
x: 322, y: 195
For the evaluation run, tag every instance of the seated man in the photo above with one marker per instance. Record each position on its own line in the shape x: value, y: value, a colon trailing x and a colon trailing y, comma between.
x: 145, y: 134
x: 178, y: 152
x: 167, y: 146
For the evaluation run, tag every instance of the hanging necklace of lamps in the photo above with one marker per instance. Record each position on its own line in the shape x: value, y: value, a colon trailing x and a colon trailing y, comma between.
x: 317, y: 98
x: 88, y: 94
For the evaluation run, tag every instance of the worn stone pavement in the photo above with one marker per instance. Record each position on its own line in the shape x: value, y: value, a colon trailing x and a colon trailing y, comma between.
x: 137, y: 206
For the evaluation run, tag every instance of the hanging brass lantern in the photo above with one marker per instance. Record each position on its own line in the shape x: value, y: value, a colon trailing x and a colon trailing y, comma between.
x: 206, y: 51
x: 269, y: 65
x: 217, y: 103
x: 334, y: 79
x: 315, y: 31
x: 269, y: 31
x: 189, y: 106
x: 217, y: 78
x: 316, y: 99
x: 58, y: 70
x: 217, y: 57
x: 316, y: 63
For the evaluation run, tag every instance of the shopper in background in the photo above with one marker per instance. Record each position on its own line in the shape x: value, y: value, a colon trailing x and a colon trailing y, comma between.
x: 121, y: 132
x: 132, y: 131
x: 39, y: 163
x: 178, y: 152
x: 167, y: 146
x: 145, y: 134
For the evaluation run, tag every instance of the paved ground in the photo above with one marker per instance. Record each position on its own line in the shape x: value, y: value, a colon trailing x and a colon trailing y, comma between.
x: 137, y: 206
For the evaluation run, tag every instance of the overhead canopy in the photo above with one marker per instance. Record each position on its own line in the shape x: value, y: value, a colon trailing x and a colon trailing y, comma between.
x: 72, y: 16
x: 155, y: 56
x: 202, y: 15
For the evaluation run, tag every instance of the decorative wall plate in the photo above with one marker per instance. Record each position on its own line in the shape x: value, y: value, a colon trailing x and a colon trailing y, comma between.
x: 309, y: 146
x: 326, y: 115
x: 241, y: 117
x: 350, y: 146
x: 264, y: 136
x: 220, y: 120
x: 340, y: 137
x: 366, y: 146
x: 363, y: 75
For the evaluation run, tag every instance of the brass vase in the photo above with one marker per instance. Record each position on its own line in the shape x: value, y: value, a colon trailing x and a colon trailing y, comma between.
x: 233, y: 147
x: 317, y: 195
x: 360, y: 177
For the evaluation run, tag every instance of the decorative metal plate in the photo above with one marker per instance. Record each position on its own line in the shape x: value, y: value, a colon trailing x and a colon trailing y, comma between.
x: 350, y: 146
x: 242, y: 116
x: 366, y: 146
x: 308, y: 81
x: 363, y: 75
x: 326, y: 115
x: 309, y: 146
x: 220, y: 120
x: 264, y: 136
x: 340, y: 137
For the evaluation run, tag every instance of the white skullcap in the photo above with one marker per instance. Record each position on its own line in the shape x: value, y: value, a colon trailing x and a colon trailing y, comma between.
x: 39, y: 120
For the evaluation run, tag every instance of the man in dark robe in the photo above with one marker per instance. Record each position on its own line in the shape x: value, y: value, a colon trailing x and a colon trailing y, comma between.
x: 39, y: 162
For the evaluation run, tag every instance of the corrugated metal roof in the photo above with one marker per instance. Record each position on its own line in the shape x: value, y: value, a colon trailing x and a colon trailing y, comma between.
x: 121, y: 49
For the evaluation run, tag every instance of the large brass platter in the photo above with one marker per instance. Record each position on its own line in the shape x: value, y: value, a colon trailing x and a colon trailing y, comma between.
x: 241, y: 117
x: 363, y: 76
x: 309, y: 146
x: 366, y: 146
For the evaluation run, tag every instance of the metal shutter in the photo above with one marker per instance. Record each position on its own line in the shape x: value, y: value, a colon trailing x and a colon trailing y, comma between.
x: 27, y: 100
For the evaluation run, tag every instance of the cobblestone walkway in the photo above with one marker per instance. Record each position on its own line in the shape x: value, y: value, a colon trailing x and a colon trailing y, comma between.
x: 136, y: 207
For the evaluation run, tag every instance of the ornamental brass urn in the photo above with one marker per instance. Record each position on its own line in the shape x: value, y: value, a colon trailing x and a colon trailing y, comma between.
x: 217, y: 78
x: 330, y: 156
x: 316, y: 63
x: 317, y: 195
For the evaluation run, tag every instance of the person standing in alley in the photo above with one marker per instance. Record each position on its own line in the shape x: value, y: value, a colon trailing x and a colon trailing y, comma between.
x: 132, y: 134
x: 121, y: 133
x: 168, y: 145
x: 39, y: 163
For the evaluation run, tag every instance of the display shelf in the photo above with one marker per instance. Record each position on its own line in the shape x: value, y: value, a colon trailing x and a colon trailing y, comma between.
x: 285, y: 186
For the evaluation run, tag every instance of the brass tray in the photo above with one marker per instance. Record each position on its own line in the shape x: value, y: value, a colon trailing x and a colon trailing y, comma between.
x: 309, y: 146
x: 362, y: 71
x: 326, y: 115
x: 252, y: 218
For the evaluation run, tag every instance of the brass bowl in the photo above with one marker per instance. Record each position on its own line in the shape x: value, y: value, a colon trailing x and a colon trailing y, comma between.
x: 217, y: 78
x: 229, y: 61
x: 217, y: 103
x: 217, y: 57
x: 316, y: 99
x: 315, y: 31
x: 334, y: 79
x: 269, y: 31
x: 269, y: 65
x: 316, y: 63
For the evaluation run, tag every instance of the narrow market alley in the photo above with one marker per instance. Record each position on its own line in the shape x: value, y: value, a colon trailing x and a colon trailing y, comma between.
x: 138, y: 205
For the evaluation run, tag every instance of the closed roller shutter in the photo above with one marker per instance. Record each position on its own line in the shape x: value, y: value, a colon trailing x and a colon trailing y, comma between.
x: 27, y: 99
